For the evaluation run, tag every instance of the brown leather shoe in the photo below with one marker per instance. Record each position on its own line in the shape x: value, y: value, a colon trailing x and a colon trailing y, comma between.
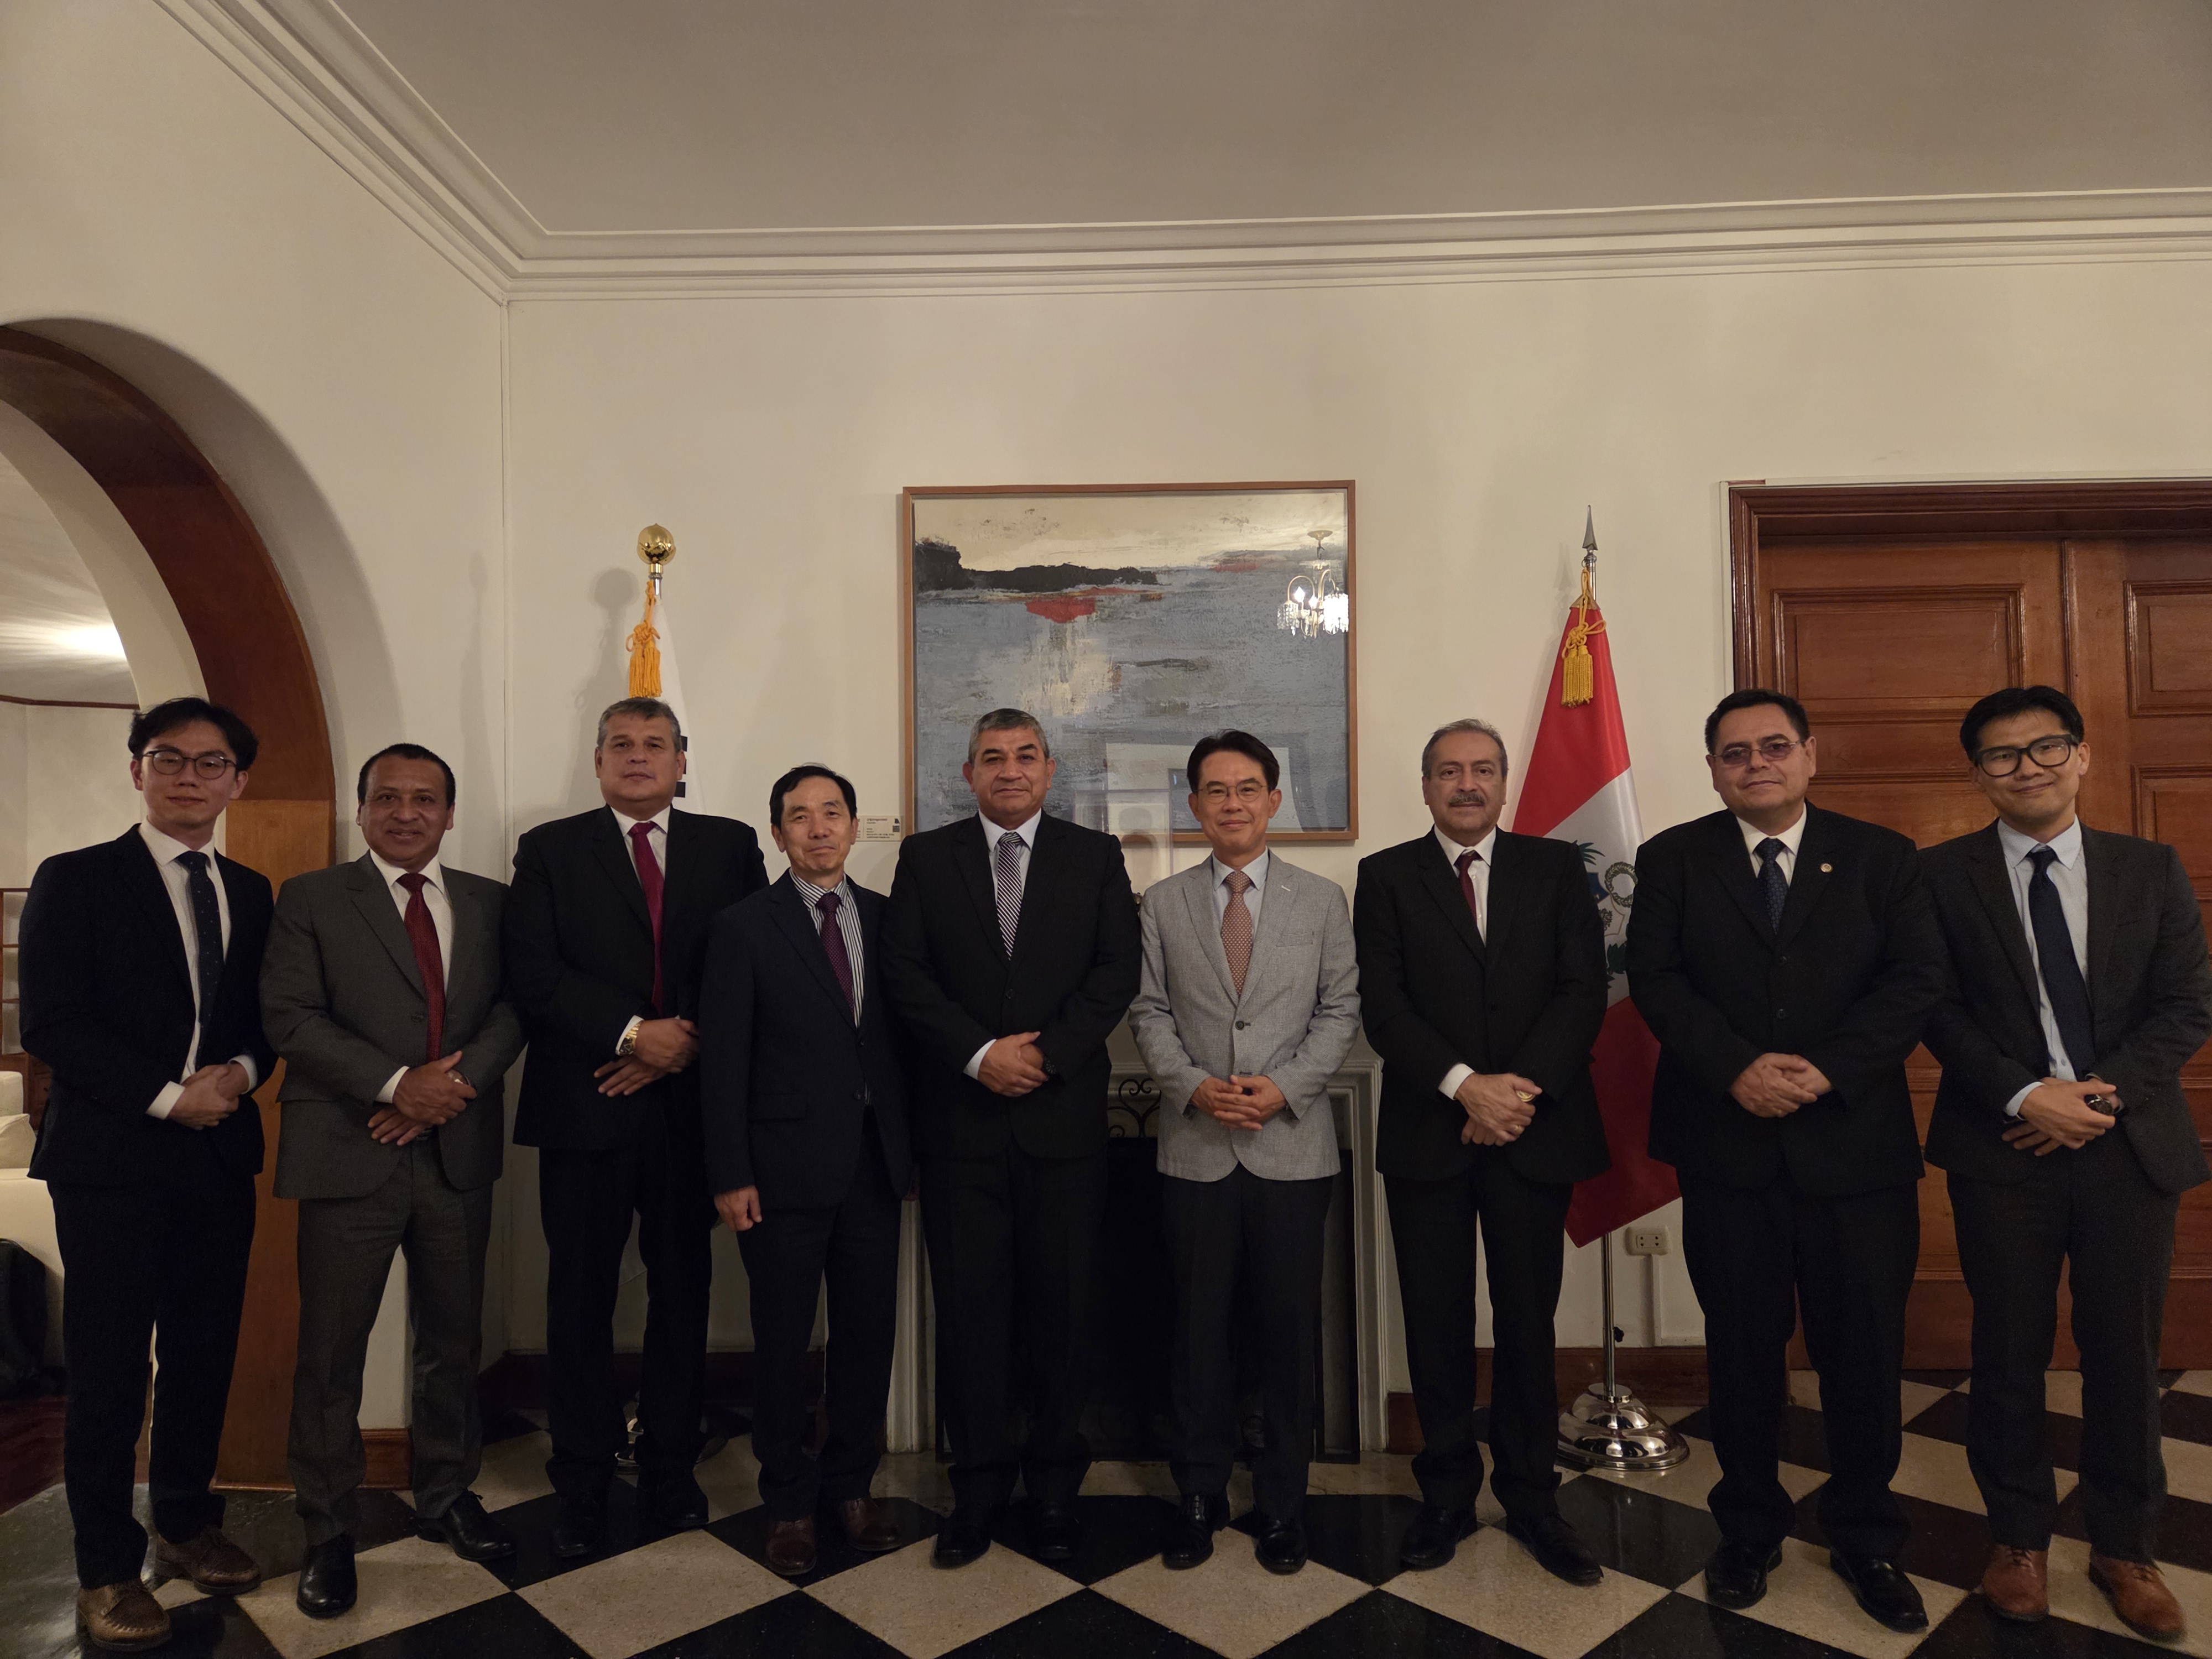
x: 2138, y: 1594
x: 867, y: 1526
x: 791, y: 1547
x: 122, y: 1617
x: 211, y: 1561
x: 2016, y: 1584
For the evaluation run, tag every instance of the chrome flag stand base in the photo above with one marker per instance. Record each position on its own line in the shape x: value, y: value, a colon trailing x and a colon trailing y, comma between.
x: 1608, y: 1428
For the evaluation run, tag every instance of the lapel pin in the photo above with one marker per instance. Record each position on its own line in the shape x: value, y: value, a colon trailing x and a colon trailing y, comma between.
x: 1827, y: 869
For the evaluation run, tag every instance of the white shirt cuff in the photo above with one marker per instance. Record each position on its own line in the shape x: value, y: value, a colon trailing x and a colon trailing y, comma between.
x: 2012, y: 1106
x: 636, y: 1020
x: 165, y: 1102
x: 391, y: 1089
x: 1453, y: 1079
x: 245, y: 1063
x: 974, y: 1066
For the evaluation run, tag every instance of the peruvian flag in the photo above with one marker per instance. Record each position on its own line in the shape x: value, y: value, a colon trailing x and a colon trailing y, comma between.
x: 1578, y: 789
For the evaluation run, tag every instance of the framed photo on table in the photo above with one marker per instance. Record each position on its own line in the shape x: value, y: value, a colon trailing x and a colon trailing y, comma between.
x: 1131, y: 620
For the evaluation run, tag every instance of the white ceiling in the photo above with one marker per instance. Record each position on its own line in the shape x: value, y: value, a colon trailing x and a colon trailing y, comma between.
x: 57, y: 643
x: 698, y: 115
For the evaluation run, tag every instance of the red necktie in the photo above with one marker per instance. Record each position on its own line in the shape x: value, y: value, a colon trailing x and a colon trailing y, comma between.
x: 648, y: 877
x: 1466, y: 889
x: 422, y: 934
x: 832, y: 942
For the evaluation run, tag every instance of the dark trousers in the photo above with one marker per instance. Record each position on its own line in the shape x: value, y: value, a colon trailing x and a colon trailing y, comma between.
x: 162, y: 1264
x: 1757, y: 1256
x: 1014, y: 1258
x: 2095, y: 1210
x: 585, y: 1202
x: 1265, y: 1236
x: 1432, y: 1231
x: 345, y: 1258
x: 789, y: 1252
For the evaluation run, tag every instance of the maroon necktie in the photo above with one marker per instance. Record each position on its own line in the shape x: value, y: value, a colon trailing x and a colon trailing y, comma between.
x: 1466, y: 889
x: 422, y: 934
x: 648, y: 877
x: 833, y: 941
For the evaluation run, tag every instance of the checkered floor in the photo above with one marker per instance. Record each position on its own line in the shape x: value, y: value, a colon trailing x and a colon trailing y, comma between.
x: 702, y: 1595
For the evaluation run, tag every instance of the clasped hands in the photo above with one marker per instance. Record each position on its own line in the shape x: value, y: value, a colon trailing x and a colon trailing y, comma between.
x: 1775, y: 1085
x: 1498, y: 1105
x: 211, y: 1094
x: 1014, y: 1066
x: 1238, y: 1103
x: 662, y: 1048
x: 427, y: 1096
x: 2058, y: 1113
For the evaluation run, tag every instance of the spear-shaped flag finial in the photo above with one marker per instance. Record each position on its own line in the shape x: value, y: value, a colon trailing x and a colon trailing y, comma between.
x: 1589, y: 534
x: 1578, y: 678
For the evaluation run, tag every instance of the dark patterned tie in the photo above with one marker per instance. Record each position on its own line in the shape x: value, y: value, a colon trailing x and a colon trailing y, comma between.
x: 648, y: 877
x: 1006, y: 873
x: 207, y: 933
x: 429, y: 962
x: 1237, y: 929
x: 2062, y: 969
x: 833, y: 941
x: 1466, y: 868
x: 1773, y: 886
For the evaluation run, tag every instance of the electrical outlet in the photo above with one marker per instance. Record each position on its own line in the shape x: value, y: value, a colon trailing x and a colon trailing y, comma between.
x: 879, y: 826
x: 1647, y: 1241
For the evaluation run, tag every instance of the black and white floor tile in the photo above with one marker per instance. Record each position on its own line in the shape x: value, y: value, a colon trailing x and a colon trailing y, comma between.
x: 705, y: 1595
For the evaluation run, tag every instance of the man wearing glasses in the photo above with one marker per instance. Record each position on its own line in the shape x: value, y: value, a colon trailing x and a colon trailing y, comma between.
x: 2079, y: 989
x: 141, y: 969
x: 1786, y: 958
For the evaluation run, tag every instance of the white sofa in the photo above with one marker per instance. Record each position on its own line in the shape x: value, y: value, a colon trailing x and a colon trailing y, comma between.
x: 27, y: 1214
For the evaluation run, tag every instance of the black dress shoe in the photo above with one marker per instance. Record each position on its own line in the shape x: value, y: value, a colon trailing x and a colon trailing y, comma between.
x: 1055, y: 1532
x: 964, y: 1536
x: 327, y: 1587
x: 1190, y: 1536
x: 1282, y: 1545
x: 1737, y: 1575
x: 673, y: 1502
x: 1433, y: 1539
x: 580, y: 1528
x: 474, y: 1536
x: 1556, y: 1547
x: 1881, y: 1588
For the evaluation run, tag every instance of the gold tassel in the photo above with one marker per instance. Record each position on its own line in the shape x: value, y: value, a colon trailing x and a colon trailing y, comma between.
x: 645, y: 650
x: 1577, y: 677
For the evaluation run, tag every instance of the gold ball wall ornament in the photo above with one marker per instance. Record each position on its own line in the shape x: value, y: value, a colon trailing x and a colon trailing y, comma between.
x: 655, y: 546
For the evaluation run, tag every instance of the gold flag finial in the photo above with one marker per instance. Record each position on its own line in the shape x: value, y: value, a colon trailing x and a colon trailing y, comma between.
x: 656, y: 547
x: 1577, y: 675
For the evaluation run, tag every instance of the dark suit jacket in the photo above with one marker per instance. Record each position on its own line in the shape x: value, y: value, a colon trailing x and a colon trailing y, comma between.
x: 2150, y: 994
x: 108, y: 1003
x: 1073, y: 975
x: 1528, y: 998
x: 579, y: 964
x: 787, y: 1082
x: 1848, y: 983
x: 344, y: 1002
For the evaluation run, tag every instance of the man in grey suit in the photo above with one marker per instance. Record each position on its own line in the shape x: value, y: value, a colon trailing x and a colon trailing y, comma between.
x: 381, y: 989
x: 1249, y: 1000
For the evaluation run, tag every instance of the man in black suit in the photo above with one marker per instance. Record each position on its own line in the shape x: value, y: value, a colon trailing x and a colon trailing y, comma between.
x: 1786, y: 957
x: 381, y: 989
x: 806, y: 1156
x: 606, y: 935
x: 141, y: 964
x: 1482, y: 971
x: 2079, y: 989
x: 1011, y: 950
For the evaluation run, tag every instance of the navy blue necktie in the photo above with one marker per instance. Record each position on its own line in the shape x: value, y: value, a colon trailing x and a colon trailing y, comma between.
x: 1773, y: 886
x: 207, y: 925
x: 2062, y: 970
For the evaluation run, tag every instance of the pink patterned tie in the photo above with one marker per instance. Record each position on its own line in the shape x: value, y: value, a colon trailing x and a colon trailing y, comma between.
x: 648, y: 877
x: 1237, y: 929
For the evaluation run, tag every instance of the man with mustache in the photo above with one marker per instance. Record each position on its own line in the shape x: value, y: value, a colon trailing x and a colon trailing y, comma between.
x: 1483, y: 980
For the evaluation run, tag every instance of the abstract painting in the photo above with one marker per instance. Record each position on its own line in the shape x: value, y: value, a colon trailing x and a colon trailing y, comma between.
x: 1131, y: 620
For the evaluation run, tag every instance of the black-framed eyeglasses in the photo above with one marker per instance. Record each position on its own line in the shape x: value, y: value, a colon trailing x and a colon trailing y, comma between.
x: 1737, y: 756
x: 2003, y: 762
x: 172, y: 762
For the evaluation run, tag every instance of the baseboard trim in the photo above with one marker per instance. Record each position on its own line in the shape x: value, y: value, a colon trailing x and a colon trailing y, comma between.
x: 1660, y: 1377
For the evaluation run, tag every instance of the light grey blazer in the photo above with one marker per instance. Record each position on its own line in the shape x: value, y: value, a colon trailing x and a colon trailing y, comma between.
x: 1294, y: 1023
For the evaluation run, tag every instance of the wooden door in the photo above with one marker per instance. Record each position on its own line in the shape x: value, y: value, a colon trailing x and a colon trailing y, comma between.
x: 1888, y: 638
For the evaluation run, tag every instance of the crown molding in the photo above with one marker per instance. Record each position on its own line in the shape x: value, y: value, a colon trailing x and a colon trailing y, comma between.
x: 315, y: 66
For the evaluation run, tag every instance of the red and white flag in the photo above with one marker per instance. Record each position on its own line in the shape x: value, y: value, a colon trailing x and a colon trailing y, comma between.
x: 1579, y: 789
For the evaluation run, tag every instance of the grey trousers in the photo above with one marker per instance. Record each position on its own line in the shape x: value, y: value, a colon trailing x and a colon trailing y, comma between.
x: 345, y: 1258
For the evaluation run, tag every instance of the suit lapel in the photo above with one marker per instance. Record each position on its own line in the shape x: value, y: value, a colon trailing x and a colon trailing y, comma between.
x: 469, y: 928
x: 973, y: 859
x: 143, y: 876
x: 1508, y: 890
x: 1732, y: 868
x: 1810, y: 879
x: 382, y: 916
x: 2104, y: 909
x: 613, y: 852
x: 1037, y: 891
x: 793, y: 916
x: 1438, y: 876
x: 1992, y: 884
x: 1198, y: 905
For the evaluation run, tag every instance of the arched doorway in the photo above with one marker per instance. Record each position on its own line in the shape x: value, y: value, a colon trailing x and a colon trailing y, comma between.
x: 254, y: 656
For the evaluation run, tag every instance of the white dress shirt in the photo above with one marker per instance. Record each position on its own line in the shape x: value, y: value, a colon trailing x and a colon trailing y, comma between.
x: 1479, y: 873
x: 849, y: 928
x: 1253, y: 895
x: 659, y: 841
x: 166, y: 850
x: 441, y: 920
x: 1752, y: 835
x: 2070, y: 874
x: 991, y: 834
